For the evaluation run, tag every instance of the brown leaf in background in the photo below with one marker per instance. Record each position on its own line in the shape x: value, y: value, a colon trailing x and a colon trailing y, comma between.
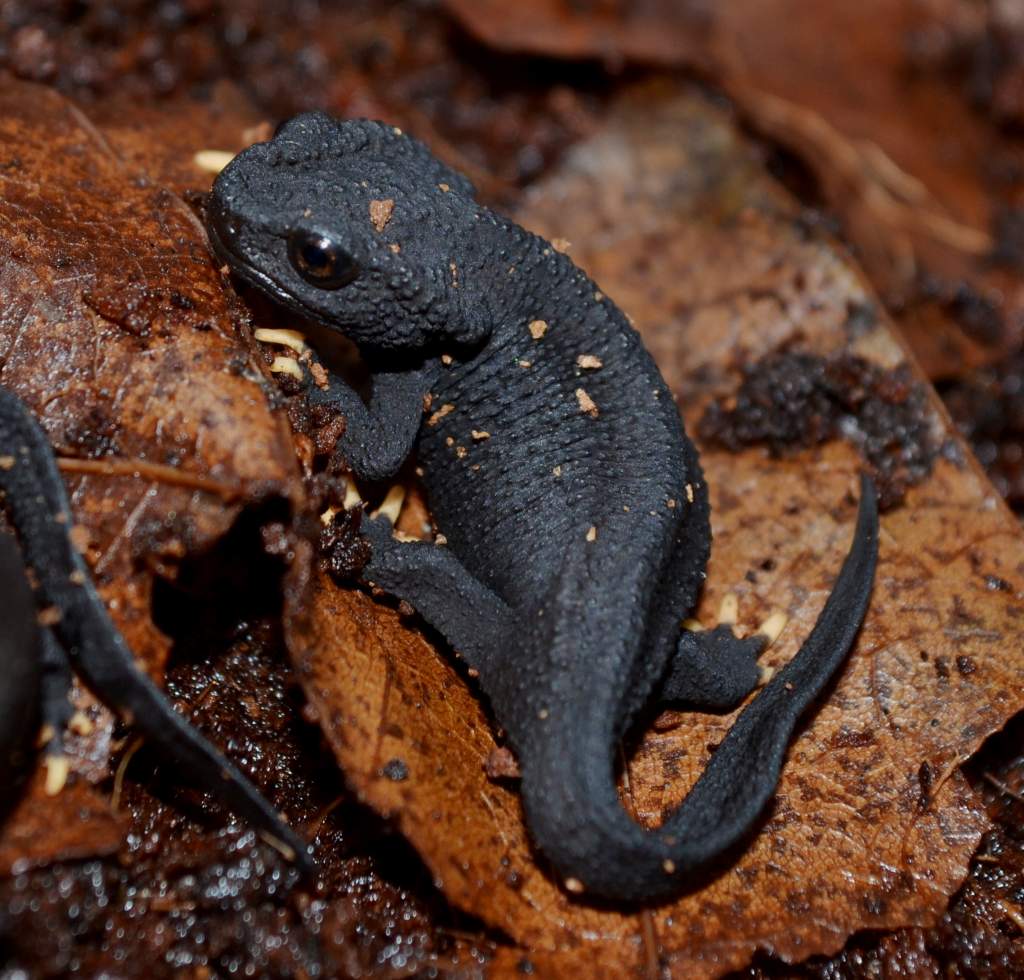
x: 873, y: 824
x: 115, y: 329
x: 656, y: 32
x: 872, y: 98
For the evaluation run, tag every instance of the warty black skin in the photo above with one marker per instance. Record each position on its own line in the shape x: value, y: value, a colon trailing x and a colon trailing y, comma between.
x: 37, y: 661
x: 577, y: 538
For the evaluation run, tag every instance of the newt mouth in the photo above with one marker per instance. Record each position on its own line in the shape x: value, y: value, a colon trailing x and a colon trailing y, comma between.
x: 238, y: 265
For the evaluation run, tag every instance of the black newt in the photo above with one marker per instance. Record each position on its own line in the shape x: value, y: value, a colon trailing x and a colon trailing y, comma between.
x: 61, y: 622
x: 572, y: 502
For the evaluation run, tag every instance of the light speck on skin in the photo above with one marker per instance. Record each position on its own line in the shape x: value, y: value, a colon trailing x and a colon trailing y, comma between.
x: 395, y: 247
x: 561, y: 244
x: 589, y: 362
x: 689, y: 492
x: 461, y: 451
x: 320, y: 376
x: 526, y: 364
x: 446, y: 409
x: 669, y: 865
x: 381, y: 211
x: 587, y: 404
x: 592, y: 534
x: 440, y: 539
x: 542, y: 714
x: 538, y: 328
x: 480, y: 434
x: 444, y: 187
x: 557, y: 471
x: 574, y: 885
x: 446, y: 359
x: 598, y: 296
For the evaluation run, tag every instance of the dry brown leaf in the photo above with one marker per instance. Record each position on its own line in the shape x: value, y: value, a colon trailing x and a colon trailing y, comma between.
x: 41, y: 830
x: 873, y: 823
x: 115, y: 329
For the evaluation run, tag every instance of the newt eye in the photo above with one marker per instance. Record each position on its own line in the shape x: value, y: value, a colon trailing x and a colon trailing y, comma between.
x: 320, y: 260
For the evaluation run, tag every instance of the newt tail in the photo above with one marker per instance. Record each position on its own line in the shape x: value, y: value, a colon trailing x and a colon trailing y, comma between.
x: 572, y: 805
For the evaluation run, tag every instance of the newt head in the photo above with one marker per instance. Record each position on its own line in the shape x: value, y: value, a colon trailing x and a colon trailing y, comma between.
x: 357, y: 226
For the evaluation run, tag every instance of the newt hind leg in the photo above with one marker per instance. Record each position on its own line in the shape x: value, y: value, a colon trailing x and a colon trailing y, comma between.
x: 715, y: 669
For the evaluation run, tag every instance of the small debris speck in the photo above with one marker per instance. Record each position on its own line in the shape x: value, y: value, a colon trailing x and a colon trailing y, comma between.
x: 395, y: 247
x: 381, y: 211
x: 80, y: 538
x: 446, y: 359
x: 557, y: 471
x: 669, y: 865
x: 319, y: 373
x: 542, y: 714
x: 286, y: 365
x: 538, y: 328
x: 445, y: 409
x: 50, y: 616
x: 574, y: 885
x: 587, y: 404
x: 461, y: 451
x: 440, y: 539
x: 589, y: 362
x: 561, y: 244
x: 592, y: 533
x: 480, y: 434
x: 212, y: 161
x: 525, y: 364
x: 6, y: 462
x: 444, y: 187
x: 288, y: 338
x: 501, y: 764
